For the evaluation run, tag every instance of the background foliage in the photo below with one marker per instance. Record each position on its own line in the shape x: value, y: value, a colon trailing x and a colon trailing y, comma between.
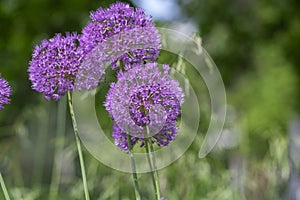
x: 255, y: 44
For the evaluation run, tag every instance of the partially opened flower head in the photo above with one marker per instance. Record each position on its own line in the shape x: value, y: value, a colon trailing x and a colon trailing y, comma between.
x: 55, y: 64
x: 5, y: 92
x: 143, y: 96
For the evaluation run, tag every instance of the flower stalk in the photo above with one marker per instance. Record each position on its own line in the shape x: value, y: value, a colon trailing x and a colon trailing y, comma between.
x: 4, y: 188
x: 133, y: 167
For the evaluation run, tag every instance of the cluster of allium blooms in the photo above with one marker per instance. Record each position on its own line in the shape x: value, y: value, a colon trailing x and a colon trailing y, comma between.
x: 117, y: 36
x: 55, y: 64
x: 143, y: 96
x: 144, y: 102
x: 5, y: 92
x: 118, y: 19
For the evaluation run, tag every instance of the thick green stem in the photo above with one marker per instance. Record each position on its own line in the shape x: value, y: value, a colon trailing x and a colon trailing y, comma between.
x: 152, y: 163
x: 86, y: 191
x: 59, y: 146
x: 134, y: 174
x: 4, y: 188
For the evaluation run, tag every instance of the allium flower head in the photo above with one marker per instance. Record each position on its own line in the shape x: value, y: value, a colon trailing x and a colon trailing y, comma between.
x: 143, y: 96
x: 55, y: 64
x: 5, y: 92
x: 116, y: 35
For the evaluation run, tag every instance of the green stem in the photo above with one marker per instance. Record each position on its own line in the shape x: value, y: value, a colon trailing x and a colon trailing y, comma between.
x: 86, y: 191
x: 59, y: 145
x: 134, y: 174
x: 4, y: 188
x: 152, y: 163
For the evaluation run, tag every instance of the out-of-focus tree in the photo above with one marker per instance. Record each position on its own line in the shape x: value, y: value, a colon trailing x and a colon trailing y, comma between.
x: 255, y: 45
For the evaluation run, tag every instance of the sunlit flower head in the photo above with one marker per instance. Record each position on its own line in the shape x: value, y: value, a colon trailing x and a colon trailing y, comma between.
x: 119, y: 36
x: 55, y: 64
x: 144, y: 96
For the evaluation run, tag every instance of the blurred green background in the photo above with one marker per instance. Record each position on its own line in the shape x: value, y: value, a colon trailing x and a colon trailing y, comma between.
x: 255, y: 45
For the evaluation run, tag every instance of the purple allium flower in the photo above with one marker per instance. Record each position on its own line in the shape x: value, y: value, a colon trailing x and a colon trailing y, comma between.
x: 118, y: 36
x: 5, y: 92
x: 55, y: 64
x: 143, y: 96
x: 113, y: 20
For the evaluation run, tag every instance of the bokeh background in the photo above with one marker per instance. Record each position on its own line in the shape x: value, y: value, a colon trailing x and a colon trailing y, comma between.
x: 254, y: 43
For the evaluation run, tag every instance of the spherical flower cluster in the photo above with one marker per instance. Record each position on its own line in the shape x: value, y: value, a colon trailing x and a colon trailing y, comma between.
x: 118, y: 18
x: 5, y: 92
x: 143, y: 96
x: 55, y: 64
